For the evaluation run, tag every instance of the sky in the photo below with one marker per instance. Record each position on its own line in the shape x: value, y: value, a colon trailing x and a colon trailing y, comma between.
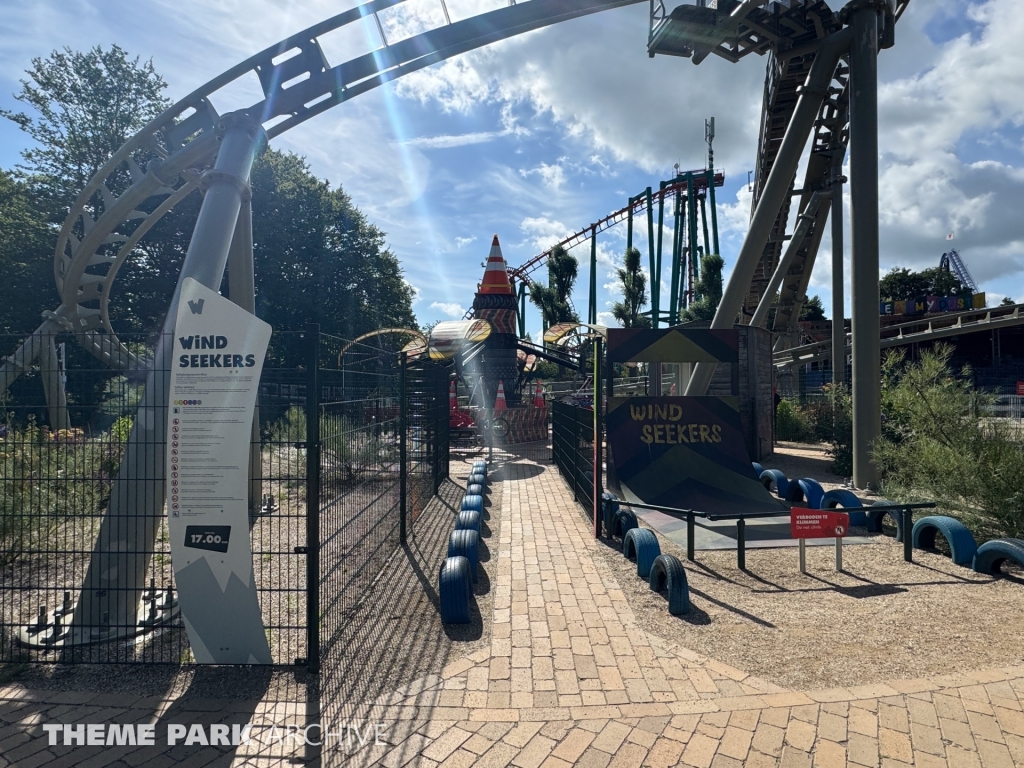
x: 537, y: 136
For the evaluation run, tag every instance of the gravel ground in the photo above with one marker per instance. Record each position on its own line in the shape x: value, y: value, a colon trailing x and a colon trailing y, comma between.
x: 880, y: 619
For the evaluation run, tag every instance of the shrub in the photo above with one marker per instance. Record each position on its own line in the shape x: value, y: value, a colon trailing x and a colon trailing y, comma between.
x: 938, y: 443
x: 790, y: 422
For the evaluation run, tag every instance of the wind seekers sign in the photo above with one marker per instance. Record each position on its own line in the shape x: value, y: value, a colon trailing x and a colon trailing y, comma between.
x: 218, y: 353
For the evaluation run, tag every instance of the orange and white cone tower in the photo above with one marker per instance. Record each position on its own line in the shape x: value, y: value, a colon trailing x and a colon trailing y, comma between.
x: 495, y: 301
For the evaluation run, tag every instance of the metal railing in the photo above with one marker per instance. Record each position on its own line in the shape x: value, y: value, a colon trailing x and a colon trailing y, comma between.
x: 345, y: 457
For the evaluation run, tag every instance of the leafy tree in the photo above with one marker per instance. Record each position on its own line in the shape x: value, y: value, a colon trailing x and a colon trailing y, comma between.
x: 553, y: 299
x: 901, y: 284
x: 634, y: 293
x: 88, y: 104
x: 708, y: 290
x: 812, y: 310
x: 26, y: 254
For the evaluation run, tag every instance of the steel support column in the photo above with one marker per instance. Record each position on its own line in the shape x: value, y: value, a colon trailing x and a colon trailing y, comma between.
x: 242, y: 291
x: 867, y: 420
x: 838, y: 304
x: 775, y: 190
x: 115, y: 579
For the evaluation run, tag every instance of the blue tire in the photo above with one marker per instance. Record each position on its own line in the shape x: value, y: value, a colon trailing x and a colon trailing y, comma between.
x: 465, y: 544
x: 475, y: 490
x: 477, y: 479
x: 641, y: 545
x: 667, y: 573
x: 962, y: 545
x: 625, y: 521
x: 467, y: 520
x: 473, y: 502
x: 455, y: 590
x: 775, y: 477
x: 609, y: 508
x: 812, y: 492
x: 794, y: 493
x: 876, y: 517
x: 757, y: 468
x: 840, y: 497
x: 991, y: 555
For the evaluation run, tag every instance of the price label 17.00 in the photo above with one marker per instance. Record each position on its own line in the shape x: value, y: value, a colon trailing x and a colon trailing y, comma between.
x: 210, y: 537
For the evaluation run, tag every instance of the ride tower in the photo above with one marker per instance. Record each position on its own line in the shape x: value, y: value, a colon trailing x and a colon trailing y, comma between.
x: 496, y: 302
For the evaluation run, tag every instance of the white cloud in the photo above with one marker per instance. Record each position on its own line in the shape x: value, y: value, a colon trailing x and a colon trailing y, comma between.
x: 451, y: 309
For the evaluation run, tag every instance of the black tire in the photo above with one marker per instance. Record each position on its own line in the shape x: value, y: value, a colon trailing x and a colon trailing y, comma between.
x: 875, y: 518
x: 473, y: 502
x: 625, y: 521
x: 641, y: 544
x: 609, y: 508
x: 455, y: 590
x: 467, y: 520
x: 962, y: 545
x: 667, y: 573
x: 466, y: 544
x: 775, y: 477
x: 991, y: 555
x: 840, y: 497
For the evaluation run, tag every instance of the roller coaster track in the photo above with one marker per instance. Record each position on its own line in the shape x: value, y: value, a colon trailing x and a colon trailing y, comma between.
x: 165, y: 161
x: 932, y: 329
x: 639, y: 205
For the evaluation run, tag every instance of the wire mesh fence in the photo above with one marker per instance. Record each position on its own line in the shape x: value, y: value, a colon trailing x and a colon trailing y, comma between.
x: 572, y: 450
x: 82, y: 486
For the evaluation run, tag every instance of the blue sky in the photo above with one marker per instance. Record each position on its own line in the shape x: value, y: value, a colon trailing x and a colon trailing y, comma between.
x: 540, y: 135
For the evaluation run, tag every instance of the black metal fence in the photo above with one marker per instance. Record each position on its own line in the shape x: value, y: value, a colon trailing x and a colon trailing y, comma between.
x: 349, y: 449
x: 572, y: 450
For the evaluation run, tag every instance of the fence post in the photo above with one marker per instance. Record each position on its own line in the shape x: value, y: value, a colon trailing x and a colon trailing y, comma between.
x: 403, y: 428
x: 313, y: 499
x: 597, y: 489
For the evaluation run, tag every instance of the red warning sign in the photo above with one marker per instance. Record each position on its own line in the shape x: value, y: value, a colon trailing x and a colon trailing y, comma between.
x: 817, y: 523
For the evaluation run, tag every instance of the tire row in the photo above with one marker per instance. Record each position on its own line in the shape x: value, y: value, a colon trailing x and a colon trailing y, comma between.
x: 662, y: 572
x: 987, y: 559
x: 459, y: 570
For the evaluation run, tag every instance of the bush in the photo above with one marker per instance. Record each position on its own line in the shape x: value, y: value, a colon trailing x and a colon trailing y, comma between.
x: 790, y: 422
x: 939, y: 444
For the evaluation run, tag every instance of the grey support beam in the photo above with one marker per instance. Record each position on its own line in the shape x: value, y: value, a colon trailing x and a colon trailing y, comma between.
x: 867, y: 392
x: 116, y: 576
x: 775, y: 192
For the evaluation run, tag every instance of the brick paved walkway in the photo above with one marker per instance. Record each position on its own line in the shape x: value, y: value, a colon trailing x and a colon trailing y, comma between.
x: 570, y: 679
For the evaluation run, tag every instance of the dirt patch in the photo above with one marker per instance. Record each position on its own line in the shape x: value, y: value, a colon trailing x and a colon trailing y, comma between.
x: 881, y: 619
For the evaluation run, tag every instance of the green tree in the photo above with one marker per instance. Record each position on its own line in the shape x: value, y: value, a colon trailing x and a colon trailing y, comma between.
x: 812, y: 310
x: 708, y: 290
x: 634, y: 293
x: 901, y: 284
x: 26, y: 256
x: 88, y: 104
x: 553, y: 299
